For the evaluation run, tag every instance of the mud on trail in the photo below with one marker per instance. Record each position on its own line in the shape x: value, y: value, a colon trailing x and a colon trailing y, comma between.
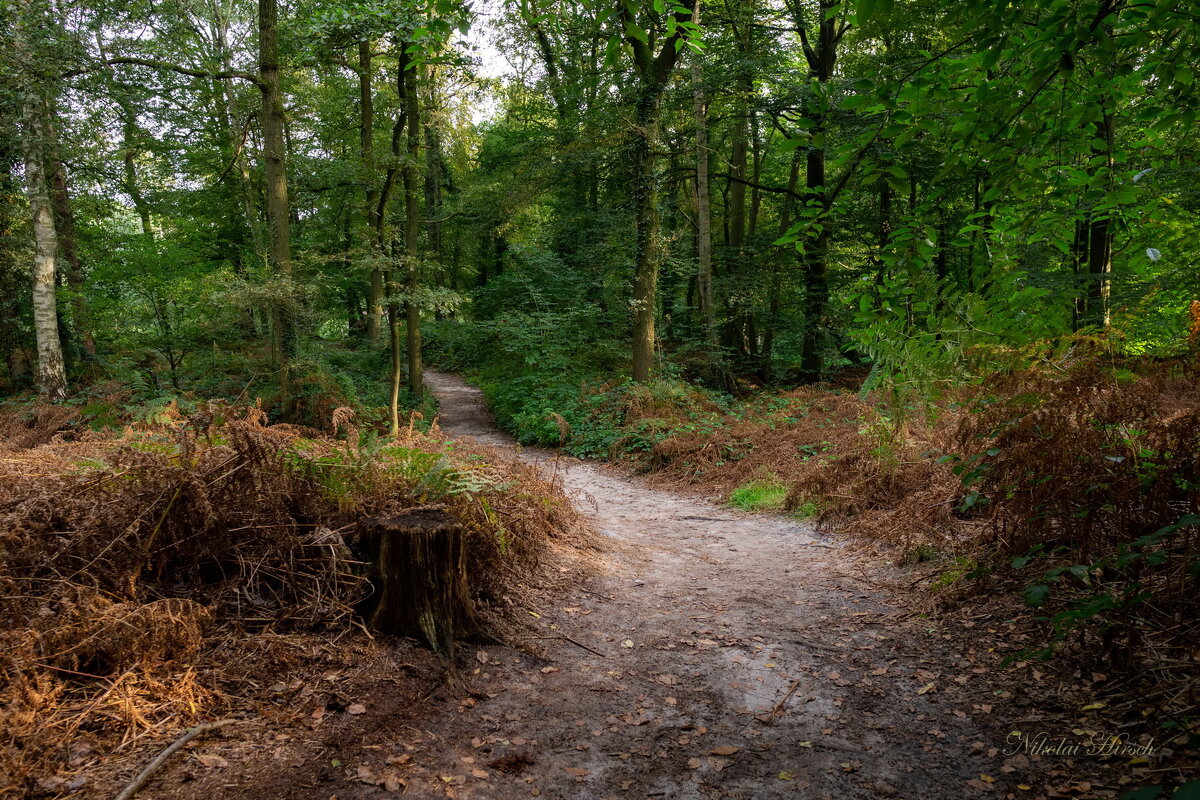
x: 709, y: 654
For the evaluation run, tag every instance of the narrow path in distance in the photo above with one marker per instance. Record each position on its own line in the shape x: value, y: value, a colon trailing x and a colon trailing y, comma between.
x: 743, y: 656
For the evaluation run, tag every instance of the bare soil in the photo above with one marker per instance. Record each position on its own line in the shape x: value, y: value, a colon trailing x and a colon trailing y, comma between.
x: 709, y: 654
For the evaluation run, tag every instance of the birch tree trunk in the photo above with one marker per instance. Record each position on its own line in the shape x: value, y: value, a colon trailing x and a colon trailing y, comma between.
x: 52, y: 379
x: 64, y: 219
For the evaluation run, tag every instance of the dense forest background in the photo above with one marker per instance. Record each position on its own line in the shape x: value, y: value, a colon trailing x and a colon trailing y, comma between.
x: 246, y: 202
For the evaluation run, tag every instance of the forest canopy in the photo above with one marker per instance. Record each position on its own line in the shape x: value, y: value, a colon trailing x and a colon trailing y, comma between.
x: 229, y: 199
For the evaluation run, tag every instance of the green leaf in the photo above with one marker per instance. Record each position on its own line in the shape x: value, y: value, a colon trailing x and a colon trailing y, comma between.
x: 1036, y: 594
x: 857, y: 101
x: 636, y: 32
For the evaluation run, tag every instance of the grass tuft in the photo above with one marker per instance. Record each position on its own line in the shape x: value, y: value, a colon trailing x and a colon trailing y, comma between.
x: 760, y: 495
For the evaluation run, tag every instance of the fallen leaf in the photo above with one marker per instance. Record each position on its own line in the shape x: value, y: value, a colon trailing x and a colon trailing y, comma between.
x: 548, y: 670
x: 481, y: 656
x: 482, y: 774
x: 356, y: 709
x: 926, y: 689
x: 724, y: 750
x: 577, y: 772
x: 212, y: 760
x: 627, y: 643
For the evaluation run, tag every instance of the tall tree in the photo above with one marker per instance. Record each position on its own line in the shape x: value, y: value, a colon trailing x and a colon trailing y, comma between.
x: 68, y: 245
x: 35, y: 138
x: 704, y: 273
x: 277, y: 212
x: 412, y: 221
x: 821, y: 54
x: 651, y: 72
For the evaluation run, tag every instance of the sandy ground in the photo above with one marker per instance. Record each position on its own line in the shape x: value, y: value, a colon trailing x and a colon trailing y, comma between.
x: 712, y: 654
x: 742, y: 656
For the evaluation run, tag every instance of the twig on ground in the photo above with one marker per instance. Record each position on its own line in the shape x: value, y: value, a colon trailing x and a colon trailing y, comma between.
x: 138, y: 782
x: 566, y: 638
x: 779, y: 706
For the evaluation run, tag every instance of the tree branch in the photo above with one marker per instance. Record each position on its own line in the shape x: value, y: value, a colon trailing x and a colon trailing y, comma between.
x: 164, y: 65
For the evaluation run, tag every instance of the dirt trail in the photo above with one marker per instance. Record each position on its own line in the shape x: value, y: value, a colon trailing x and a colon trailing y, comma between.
x: 743, y: 656
x: 712, y: 654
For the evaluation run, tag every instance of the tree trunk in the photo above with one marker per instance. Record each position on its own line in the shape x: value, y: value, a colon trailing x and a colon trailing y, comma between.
x: 1079, y: 260
x: 393, y: 316
x: 242, y: 187
x: 756, y: 161
x: 52, y: 379
x: 737, y: 183
x: 366, y: 103
x: 277, y: 212
x: 653, y: 75
x: 64, y: 219
x: 775, y: 292
x: 704, y: 275
x: 433, y: 175
x: 821, y: 61
x: 412, y: 218
x: 129, y: 159
x: 645, y: 204
x: 1100, y: 241
x: 420, y: 558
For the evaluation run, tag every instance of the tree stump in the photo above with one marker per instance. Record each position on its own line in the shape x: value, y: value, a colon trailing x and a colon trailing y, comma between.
x: 420, y: 559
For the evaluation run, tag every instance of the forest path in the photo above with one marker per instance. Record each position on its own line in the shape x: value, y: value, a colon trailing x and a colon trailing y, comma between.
x: 743, y: 656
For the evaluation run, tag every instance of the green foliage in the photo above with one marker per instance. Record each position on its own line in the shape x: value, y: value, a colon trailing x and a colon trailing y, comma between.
x: 1106, y: 592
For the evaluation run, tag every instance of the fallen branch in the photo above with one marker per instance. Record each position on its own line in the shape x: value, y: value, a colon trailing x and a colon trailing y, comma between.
x: 770, y: 717
x: 137, y: 783
x: 566, y: 638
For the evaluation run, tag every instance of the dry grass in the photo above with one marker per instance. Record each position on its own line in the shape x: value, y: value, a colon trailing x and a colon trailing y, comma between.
x: 127, y: 559
x: 837, y: 453
x: 1073, y: 459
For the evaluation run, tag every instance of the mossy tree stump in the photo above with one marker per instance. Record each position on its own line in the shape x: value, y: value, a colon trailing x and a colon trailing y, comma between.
x: 421, y: 581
